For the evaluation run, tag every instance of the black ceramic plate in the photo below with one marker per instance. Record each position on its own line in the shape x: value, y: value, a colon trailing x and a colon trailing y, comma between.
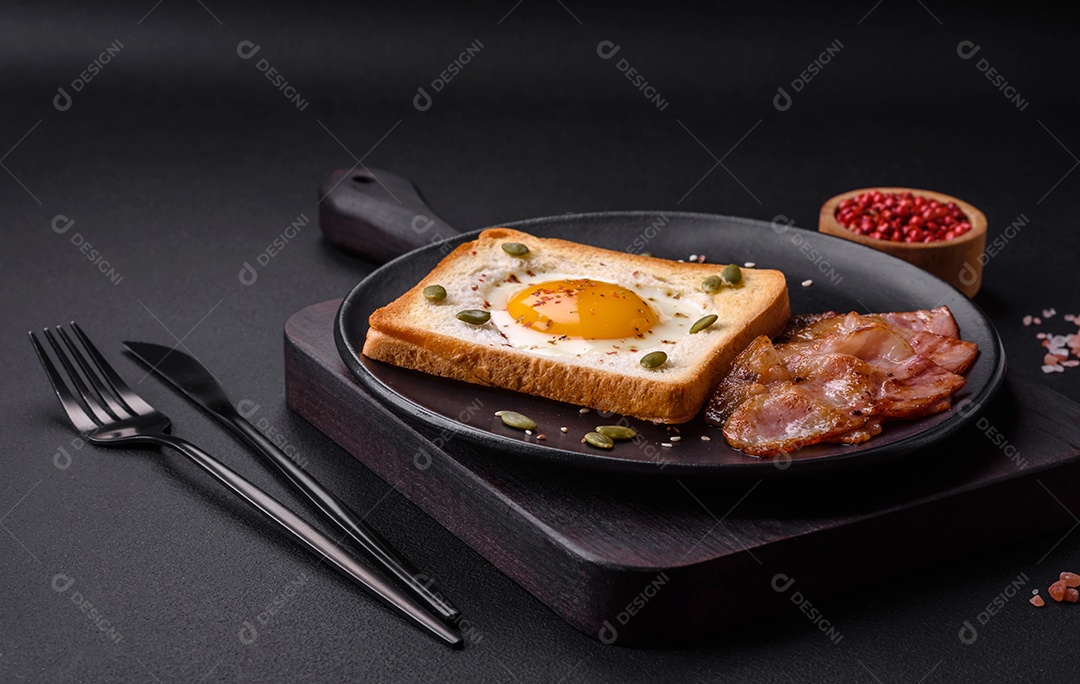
x: 846, y: 277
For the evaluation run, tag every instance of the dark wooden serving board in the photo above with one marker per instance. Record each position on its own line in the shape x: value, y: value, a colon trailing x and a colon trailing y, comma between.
x: 645, y: 561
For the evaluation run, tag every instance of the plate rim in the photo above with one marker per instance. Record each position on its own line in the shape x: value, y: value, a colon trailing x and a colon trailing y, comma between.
x: 542, y: 453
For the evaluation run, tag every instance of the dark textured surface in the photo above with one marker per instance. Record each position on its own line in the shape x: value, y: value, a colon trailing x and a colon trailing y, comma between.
x: 180, y: 161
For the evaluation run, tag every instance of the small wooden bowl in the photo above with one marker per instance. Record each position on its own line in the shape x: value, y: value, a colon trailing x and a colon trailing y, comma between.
x: 957, y: 261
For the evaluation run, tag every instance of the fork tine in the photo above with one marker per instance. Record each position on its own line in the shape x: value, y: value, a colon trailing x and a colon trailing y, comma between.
x: 132, y: 401
x: 100, y: 389
x: 100, y: 415
x: 78, y: 417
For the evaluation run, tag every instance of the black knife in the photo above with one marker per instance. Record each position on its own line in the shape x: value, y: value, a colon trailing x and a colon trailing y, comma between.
x: 193, y: 380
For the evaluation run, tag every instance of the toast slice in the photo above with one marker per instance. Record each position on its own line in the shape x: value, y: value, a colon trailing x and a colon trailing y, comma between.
x: 607, y: 375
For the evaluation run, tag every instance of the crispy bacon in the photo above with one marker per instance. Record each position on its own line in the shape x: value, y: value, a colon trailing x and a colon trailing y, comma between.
x: 838, y: 378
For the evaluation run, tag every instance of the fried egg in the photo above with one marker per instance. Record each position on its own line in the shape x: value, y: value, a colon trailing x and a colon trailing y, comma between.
x: 558, y: 314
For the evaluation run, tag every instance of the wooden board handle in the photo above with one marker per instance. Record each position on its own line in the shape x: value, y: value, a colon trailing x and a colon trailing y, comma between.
x: 377, y: 215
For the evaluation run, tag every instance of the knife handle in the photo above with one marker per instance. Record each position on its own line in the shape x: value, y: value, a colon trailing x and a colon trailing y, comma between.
x: 339, y: 513
x: 377, y: 215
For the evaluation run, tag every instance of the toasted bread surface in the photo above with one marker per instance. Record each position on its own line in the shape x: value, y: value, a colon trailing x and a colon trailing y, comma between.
x: 414, y: 333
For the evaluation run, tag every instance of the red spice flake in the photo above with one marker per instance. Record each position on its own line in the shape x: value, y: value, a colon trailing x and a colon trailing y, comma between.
x: 1072, y: 595
x: 513, y: 279
x: 1070, y: 579
x: 1037, y: 601
x: 1057, y: 591
x: 902, y: 217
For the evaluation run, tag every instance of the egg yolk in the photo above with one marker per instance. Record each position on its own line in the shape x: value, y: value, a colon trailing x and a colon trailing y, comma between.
x: 588, y: 309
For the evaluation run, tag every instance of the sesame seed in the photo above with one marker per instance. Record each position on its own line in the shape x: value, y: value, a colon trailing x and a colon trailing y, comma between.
x: 807, y: 283
x: 693, y: 257
x: 562, y: 429
x: 666, y: 444
x: 583, y: 411
x: 706, y: 438
x: 541, y: 437
x: 676, y: 438
x: 749, y: 264
x: 499, y: 413
x: 528, y: 432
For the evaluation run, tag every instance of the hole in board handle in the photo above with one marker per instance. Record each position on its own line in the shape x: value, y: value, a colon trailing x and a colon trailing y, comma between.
x: 363, y: 180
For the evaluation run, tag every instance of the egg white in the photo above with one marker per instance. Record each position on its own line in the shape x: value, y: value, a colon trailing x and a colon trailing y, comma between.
x: 677, y: 311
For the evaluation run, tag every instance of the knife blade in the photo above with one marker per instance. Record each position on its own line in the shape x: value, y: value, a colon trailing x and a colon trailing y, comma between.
x: 193, y: 380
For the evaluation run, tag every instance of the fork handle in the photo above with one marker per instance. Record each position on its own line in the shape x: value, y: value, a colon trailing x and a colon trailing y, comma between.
x: 315, y: 540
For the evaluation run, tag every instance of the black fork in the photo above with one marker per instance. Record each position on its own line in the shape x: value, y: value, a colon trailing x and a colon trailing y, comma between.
x: 109, y: 413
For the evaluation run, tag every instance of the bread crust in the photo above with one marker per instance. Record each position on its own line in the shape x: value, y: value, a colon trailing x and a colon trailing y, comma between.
x: 394, y: 338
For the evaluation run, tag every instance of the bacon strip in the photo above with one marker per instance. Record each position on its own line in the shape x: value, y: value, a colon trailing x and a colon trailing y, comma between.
x: 837, y: 378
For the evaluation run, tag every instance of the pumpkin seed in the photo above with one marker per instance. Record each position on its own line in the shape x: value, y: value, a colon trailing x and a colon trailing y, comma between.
x: 654, y: 359
x: 712, y: 284
x: 434, y: 293
x: 732, y: 274
x: 474, y: 316
x: 598, y: 440
x: 517, y: 420
x: 515, y: 249
x: 617, y: 431
x: 702, y: 323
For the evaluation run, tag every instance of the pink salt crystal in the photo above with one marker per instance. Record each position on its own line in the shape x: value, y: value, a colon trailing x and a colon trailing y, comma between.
x: 1049, y: 313
x: 1041, y: 336
x: 1037, y: 320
